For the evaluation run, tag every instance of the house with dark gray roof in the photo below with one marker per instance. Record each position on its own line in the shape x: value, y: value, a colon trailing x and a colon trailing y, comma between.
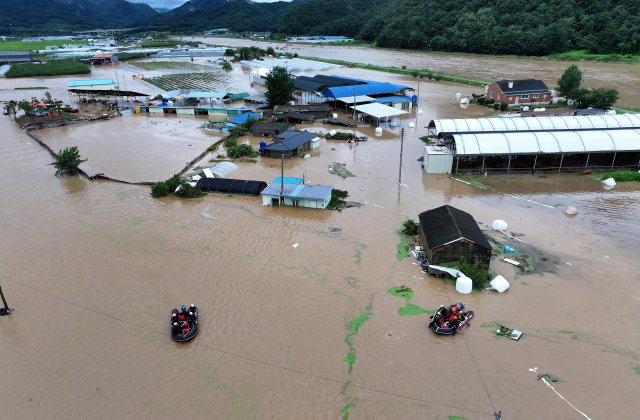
x: 519, y: 92
x: 291, y: 143
x: 447, y: 234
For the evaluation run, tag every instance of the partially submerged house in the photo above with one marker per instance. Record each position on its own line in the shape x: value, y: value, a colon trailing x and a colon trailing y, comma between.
x: 100, y: 59
x: 519, y: 92
x: 292, y: 192
x: 290, y: 143
x: 447, y: 234
x: 270, y: 128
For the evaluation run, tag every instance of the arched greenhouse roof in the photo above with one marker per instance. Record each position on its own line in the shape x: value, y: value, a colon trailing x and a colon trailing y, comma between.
x: 590, y: 122
x: 556, y: 142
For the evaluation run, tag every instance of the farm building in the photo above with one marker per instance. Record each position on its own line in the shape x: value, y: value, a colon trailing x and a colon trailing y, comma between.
x: 292, y: 192
x: 447, y: 234
x: 290, y: 143
x: 94, y: 84
x: 100, y: 59
x: 231, y: 186
x: 270, y: 128
x: 10, y: 57
x: 519, y: 92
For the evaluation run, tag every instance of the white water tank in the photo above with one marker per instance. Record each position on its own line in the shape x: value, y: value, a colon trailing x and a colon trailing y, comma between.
x: 420, y: 112
x: 335, y: 115
x: 554, y: 100
x: 458, y: 95
x: 464, y: 285
x: 378, y: 130
x: 411, y: 125
x: 499, y: 225
x: 292, y: 103
x: 499, y: 284
x: 332, y: 133
x: 609, y: 181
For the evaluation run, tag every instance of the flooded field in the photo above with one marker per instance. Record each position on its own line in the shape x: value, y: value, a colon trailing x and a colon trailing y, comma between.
x: 622, y: 76
x: 93, y: 269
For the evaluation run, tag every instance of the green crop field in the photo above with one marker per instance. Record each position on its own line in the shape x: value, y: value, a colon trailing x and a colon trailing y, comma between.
x: 31, y: 46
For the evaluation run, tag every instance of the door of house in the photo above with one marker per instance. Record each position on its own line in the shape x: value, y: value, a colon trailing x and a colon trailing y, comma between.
x: 275, y: 202
x: 296, y: 203
x: 517, y: 98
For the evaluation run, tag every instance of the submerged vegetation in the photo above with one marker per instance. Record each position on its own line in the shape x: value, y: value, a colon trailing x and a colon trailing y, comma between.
x: 180, y: 187
x: 52, y: 68
x: 68, y: 161
x: 621, y: 176
x: 410, y: 228
x: 337, y: 199
x: 477, y: 271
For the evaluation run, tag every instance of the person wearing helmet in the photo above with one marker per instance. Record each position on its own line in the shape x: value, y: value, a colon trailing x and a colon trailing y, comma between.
x: 191, y: 316
x: 176, y: 329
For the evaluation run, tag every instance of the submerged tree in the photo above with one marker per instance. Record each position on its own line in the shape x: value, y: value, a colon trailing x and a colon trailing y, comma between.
x: 68, y: 161
x: 279, y: 86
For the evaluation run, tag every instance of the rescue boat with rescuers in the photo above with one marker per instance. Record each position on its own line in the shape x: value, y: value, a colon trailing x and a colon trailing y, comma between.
x: 450, y: 320
x: 184, y: 323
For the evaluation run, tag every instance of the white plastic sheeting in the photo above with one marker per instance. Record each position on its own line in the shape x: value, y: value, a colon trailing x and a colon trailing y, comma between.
x: 554, y: 142
x: 470, y: 125
x: 351, y: 99
x: 291, y: 64
x: 223, y: 169
x: 379, y: 110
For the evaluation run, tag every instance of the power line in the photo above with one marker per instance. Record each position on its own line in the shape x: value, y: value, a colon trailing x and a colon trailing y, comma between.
x: 337, y: 381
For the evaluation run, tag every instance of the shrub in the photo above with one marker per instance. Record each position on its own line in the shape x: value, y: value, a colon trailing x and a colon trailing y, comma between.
x: 496, y: 106
x: 481, y: 100
x: 160, y: 189
x: 491, y: 101
x: 173, y: 183
x: 230, y: 142
x: 415, y: 73
x: 187, y: 191
x: 67, y: 161
x: 504, y: 106
x: 240, y: 150
x: 410, y: 228
x: 337, y: 198
x: 52, y: 68
x: 404, y: 67
x: 622, y: 176
x: 226, y: 66
x: 476, y: 271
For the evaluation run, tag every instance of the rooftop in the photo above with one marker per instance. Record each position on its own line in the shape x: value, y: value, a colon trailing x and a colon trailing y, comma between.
x: 309, y: 192
x: 288, y: 140
x: 522, y: 86
x: 92, y: 82
x: 445, y: 224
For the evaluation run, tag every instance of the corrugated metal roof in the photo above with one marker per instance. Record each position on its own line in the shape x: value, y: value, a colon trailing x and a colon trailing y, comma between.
x: 289, y: 180
x: 236, y: 96
x: 370, y: 88
x: 244, y: 117
x: 290, y: 141
x: 74, y: 83
x: 361, y: 98
x: 211, y: 95
x: 540, y: 123
x: 223, y: 169
x: 393, y: 99
x: 309, y: 192
x: 379, y: 110
x: 584, y: 141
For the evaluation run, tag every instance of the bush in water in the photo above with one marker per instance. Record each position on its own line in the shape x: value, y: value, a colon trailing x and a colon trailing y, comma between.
x: 67, y: 161
x: 410, y: 228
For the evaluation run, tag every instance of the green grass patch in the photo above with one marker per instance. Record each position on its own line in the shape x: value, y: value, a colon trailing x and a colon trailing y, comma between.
x: 628, y: 108
x: 403, y: 246
x: 31, y: 46
x: 549, y: 378
x: 353, y: 326
x: 457, y: 418
x: 621, y: 176
x: 32, y: 88
x: 52, y: 68
x: 638, y: 370
x: 582, y: 55
x: 409, y: 308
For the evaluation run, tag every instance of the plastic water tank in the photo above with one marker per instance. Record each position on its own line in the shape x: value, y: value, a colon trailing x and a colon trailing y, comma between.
x: 378, y: 130
x: 335, y: 115
x: 499, y: 284
x: 420, y: 112
x: 609, y: 182
x: 499, y: 225
x: 411, y: 125
x: 263, y: 144
x: 464, y: 285
x: 332, y: 133
x: 292, y: 103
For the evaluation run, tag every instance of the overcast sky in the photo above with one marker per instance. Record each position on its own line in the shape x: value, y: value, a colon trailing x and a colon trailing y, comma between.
x: 172, y: 4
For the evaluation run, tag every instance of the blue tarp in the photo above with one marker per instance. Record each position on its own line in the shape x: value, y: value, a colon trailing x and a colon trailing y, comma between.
x: 370, y: 88
x: 76, y: 83
x: 243, y: 118
x: 393, y: 99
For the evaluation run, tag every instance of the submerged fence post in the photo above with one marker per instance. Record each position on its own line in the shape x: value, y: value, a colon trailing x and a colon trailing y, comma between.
x: 587, y: 164
x: 561, y: 159
x: 401, y: 146
x: 614, y: 160
x: 5, y: 310
x: 535, y: 162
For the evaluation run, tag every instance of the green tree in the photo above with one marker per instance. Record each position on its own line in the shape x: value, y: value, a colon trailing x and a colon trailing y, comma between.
x: 26, y: 107
x: 569, y: 82
x: 226, y: 66
x: 67, y: 161
x: 271, y: 51
x: 279, y: 86
x: 602, y: 98
x: 12, y: 107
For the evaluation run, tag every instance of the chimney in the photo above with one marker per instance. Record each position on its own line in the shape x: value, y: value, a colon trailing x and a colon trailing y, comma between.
x: 510, y: 85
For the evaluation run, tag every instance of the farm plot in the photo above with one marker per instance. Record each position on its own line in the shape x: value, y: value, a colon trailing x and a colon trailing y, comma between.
x: 213, y: 82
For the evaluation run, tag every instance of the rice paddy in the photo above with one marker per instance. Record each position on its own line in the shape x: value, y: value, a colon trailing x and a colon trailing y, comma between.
x: 213, y: 82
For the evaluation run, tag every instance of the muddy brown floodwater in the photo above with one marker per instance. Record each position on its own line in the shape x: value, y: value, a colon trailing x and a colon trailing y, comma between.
x: 622, y: 76
x: 93, y: 269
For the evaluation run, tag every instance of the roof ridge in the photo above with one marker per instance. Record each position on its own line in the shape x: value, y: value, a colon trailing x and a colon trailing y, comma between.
x: 455, y: 222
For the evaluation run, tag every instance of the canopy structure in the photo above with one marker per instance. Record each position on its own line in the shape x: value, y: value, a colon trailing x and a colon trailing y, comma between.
x: 223, y: 169
x: 551, y: 142
x: 231, y: 186
x: 244, y: 117
x: 237, y: 96
x: 477, y: 125
x: 358, y: 99
x: 207, y: 95
x: 379, y: 110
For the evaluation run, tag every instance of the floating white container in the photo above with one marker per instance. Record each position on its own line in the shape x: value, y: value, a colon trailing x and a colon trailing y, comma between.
x: 499, y: 284
x: 464, y: 285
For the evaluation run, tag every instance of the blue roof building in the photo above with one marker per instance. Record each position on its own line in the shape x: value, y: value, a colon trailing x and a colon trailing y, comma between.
x: 296, y: 194
x: 366, y: 87
x: 94, y: 84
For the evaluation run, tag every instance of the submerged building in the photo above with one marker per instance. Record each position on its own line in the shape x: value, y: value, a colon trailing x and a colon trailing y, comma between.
x: 293, y: 192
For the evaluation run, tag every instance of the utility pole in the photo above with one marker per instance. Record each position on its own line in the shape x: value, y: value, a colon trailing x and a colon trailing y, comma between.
x: 582, y: 80
x: 354, y: 104
x: 401, y: 146
x: 5, y: 310
x: 281, y: 180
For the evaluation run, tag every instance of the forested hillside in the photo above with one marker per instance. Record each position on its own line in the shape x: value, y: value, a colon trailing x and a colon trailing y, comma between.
x: 327, y: 17
x: 507, y: 26
x: 237, y: 15
x: 82, y: 14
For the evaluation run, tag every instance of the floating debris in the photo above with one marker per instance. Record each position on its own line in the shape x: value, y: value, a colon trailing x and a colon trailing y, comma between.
x: 335, y: 229
x: 208, y: 216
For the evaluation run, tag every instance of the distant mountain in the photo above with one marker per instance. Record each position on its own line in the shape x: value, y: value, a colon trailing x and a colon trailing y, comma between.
x: 161, y: 9
x: 193, y: 5
x: 237, y: 15
x: 81, y: 14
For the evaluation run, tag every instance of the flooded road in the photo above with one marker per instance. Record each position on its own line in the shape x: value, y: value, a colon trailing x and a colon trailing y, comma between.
x: 621, y: 76
x: 93, y: 269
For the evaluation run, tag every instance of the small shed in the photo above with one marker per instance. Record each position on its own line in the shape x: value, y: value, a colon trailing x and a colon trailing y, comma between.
x: 290, y: 143
x: 11, y: 57
x: 270, y: 128
x: 231, y: 186
x: 99, y: 59
x: 296, y: 194
x: 447, y: 233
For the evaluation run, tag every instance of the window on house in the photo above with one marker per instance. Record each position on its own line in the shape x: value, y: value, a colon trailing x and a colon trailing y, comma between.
x: 511, y: 98
x: 498, y: 96
x: 525, y: 96
x: 535, y: 96
x: 491, y: 95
